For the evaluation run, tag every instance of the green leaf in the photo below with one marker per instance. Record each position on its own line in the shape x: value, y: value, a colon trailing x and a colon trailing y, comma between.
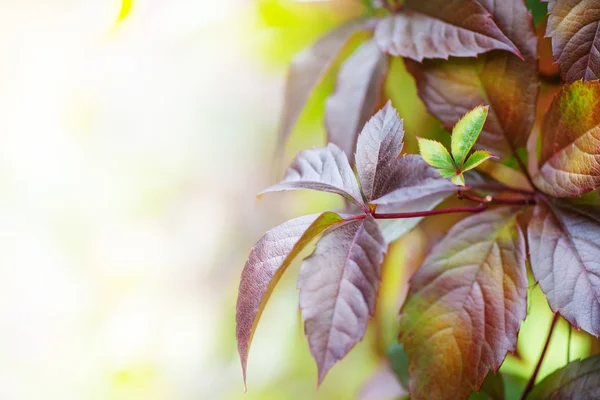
x: 465, y: 133
x: 435, y: 154
x: 491, y: 389
x: 476, y: 159
x: 398, y: 362
x: 458, y: 180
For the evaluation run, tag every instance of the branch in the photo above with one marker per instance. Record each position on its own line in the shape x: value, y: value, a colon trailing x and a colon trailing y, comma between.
x: 531, y: 381
x: 497, y: 188
x: 473, y: 209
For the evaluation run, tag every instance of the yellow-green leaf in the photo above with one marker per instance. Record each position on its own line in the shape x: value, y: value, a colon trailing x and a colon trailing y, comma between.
x: 465, y: 133
x: 458, y: 180
x: 476, y: 159
x: 435, y: 154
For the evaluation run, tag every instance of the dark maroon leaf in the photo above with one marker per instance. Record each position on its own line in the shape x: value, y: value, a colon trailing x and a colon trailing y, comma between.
x: 570, y: 156
x: 465, y: 306
x: 267, y: 262
x: 441, y: 28
x: 574, y: 26
x: 379, y: 146
x: 338, y: 288
x: 326, y: 169
x: 564, y: 243
x: 357, y: 92
x: 578, y: 380
x: 308, y: 69
x: 501, y: 80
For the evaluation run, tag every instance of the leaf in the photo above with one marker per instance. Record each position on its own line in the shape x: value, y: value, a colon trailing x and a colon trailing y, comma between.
x: 412, y: 181
x: 338, y: 288
x: 398, y: 362
x: 308, y: 69
x: 564, y: 246
x: 458, y: 180
x: 574, y: 26
x: 267, y: 262
x: 377, y: 151
x: 570, y: 156
x: 441, y: 28
x: 465, y: 306
x: 436, y: 155
x: 491, y: 389
x: 383, y: 385
x: 577, y: 380
x: 326, y: 169
x: 499, y: 79
x: 477, y: 158
x: 357, y: 92
x: 466, y: 132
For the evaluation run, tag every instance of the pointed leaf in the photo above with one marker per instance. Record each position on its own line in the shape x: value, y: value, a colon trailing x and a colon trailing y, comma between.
x: 574, y: 26
x: 326, y: 169
x: 338, y: 288
x: 570, y: 157
x: 308, y: 69
x: 465, y: 306
x: 435, y: 154
x: 412, y: 181
x: 577, y: 380
x: 458, y: 180
x: 378, y: 149
x: 477, y: 158
x: 357, y: 92
x: 501, y: 80
x: 564, y: 243
x: 441, y: 28
x: 267, y: 262
x: 466, y: 132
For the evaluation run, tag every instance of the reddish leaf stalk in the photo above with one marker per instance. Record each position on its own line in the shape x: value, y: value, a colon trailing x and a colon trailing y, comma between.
x: 472, y: 209
x: 531, y: 381
x: 498, y: 188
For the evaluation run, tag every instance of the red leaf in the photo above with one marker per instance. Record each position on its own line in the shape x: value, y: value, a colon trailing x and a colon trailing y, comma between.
x: 267, y: 262
x: 441, y: 28
x: 577, y: 380
x: 570, y: 156
x: 356, y: 96
x: 506, y: 83
x: 338, y: 288
x: 564, y: 243
x: 465, y: 306
x: 308, y: 69
x: 574, y: 26
x: 326, y: 169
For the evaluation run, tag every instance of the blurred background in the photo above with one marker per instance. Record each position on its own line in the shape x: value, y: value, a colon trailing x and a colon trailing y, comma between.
x: 134, y: 136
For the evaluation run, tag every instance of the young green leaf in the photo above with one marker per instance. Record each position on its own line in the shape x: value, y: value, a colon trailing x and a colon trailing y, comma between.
x: 358, y: 88
x: 441, y: 28
x: 267, y: 262
x: 465, y: 305
x: 436, y: 155
x: 574, y: 26
x: 326, y: 169
x: 398, y: 362
x: 338, y: 288
x: 477, y: 158
x: 577, y: 380
x: 466, y: 132
x: 458, y: 180
x: 570, y: 156
x: 565, y: 260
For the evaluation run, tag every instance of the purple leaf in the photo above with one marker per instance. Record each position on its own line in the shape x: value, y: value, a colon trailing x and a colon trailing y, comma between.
x: 501, y: 80
x: 577, y: 380
x: 441, y: 28
x: 326, y: 169
x: 308, y: 69
x: 267, y: 262
x: 564, y: 243
x: 338, y: 288
x: 359, y: 85
x: 379, y: 146
x: 465, y: 306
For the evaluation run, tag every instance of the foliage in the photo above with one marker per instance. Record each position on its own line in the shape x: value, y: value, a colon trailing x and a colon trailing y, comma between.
x: 475, y: 66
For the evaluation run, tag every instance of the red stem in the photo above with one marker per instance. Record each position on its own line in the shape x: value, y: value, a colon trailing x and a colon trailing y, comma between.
x: 531, y: 381
x: 498, y: 188
x: 473, y: 209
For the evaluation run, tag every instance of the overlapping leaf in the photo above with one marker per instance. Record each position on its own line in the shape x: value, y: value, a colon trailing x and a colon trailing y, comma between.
x: 441, y: 28
x: 465, y: 306
x: 578, y: 380
x: 574, y: 26
x: 508, y: 84
x: 338, y: 288
x: 306, y: 71
x: 570, y: 156
x: 358, y: 89
x: 564, y: 244
x: 326, y: 169
x: 269, y: 258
